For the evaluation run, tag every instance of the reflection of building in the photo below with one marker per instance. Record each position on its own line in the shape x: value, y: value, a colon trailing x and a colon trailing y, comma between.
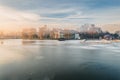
x: 29, y: 33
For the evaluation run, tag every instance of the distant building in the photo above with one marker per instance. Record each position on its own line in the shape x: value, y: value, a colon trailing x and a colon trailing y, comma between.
x: 108, y: 37
x: 90, y: 28
x: 55, y: 33
x: 69, y: 34
x: 12, y: 35
x: 29, y: 33
x: 44, y: 32
x: 118, y: 33
x: 1, y: 35
x: 77, y: 36
x: 62, y: 35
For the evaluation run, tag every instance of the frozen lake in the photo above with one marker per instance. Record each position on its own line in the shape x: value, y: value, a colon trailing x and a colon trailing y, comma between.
x: 58, y: 60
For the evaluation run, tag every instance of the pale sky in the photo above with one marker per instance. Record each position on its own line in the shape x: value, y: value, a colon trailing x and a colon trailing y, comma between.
x: 15, y: 14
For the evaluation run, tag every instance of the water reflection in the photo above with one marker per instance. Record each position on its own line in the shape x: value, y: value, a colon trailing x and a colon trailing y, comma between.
x: 24, y: 42
x: 53, y: 60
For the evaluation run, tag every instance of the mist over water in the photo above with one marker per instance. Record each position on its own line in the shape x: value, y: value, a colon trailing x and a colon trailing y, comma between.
x: 58, y: 60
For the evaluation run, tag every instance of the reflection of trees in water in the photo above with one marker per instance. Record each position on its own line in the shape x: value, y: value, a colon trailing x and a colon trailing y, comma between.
x: 28, y: 42
x: 29, y: 78
x: 2, y: 42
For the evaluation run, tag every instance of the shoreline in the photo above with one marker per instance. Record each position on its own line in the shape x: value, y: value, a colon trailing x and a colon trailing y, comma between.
x: 103, y: 41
